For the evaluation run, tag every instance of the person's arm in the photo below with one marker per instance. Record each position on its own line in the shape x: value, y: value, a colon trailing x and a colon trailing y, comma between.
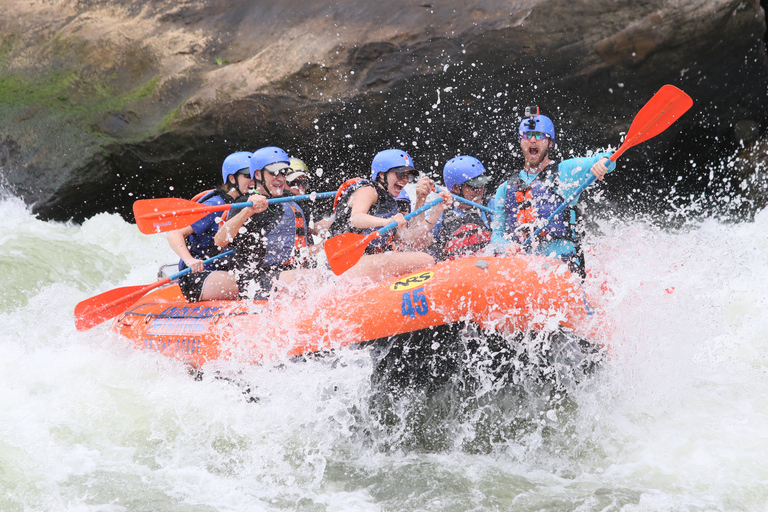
x: 423, y: 188
x: 360, y: 204
x: 320, y: 228
x: 499, y: 220
x: 231, y: 227
x: 177, y: 239
x: 417, y: 234
x: 574, y: 171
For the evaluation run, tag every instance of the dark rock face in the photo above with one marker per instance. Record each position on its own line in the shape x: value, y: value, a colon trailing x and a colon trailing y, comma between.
x: 108, y: 102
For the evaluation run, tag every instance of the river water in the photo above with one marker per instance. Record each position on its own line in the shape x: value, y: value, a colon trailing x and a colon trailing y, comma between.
x: 675, y: 420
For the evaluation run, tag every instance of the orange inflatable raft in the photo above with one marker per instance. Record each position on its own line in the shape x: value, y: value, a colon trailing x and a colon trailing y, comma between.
x: 497, y: 296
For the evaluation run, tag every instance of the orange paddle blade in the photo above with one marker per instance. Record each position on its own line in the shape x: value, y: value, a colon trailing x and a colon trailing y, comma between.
x: 663, y: 109
x: 345, y: 250
x: 102, y: 307
x: 168, y: 214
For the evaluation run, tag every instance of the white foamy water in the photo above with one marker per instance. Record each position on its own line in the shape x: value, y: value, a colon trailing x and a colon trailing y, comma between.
x: 676, y: 420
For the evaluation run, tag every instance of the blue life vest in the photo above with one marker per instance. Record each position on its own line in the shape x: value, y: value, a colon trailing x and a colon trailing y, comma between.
x: 268, y: 243
x: 528, y: 206
x: 200, y: 243
x: 271, y: 239
x: 285, y: 241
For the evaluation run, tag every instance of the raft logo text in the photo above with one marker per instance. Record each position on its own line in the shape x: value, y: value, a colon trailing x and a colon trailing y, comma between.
x: 411, y: 281
x: 189, y: 344
x: 186, y: 311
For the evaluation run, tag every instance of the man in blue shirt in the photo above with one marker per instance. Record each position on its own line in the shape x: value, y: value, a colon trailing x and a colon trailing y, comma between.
x: 523, y: 203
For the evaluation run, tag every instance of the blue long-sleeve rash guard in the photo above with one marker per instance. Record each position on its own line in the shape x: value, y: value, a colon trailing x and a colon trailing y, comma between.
x: 572, y: 173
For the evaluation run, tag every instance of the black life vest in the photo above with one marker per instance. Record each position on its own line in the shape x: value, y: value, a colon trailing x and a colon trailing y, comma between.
x: 461, y: 235
x: 385, y: 207
x: 273, y: 239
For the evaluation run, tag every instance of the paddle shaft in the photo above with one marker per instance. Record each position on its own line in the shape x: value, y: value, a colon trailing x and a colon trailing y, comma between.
x: 187, y: 270
x: 204, y: 208
x: 168, y: 214
x: 467, y: 201
x: 392, y: 225
x: 345, y: 250
x: 165, y: 280
x: 414, y: 213
x: 276, y: 200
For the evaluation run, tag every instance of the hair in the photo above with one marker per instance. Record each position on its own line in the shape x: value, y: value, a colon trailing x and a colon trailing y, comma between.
x: 226, y: 187
x: 381, y: 179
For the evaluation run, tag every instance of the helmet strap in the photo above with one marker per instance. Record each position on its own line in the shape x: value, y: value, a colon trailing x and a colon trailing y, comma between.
x: 263, y: 185
x: 235, y: 185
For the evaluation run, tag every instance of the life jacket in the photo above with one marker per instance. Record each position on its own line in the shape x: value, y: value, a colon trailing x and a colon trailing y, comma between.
x: 207, y: 194
x: 528, y: 206
x: 462, y: 235
x: 273, y: 239
x: 385, y: 207
x: 201, y: 245
x: 299, y: 257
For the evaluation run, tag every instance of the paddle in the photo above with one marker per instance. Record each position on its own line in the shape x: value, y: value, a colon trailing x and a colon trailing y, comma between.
x: 466, y: 201
x: 663, y: 109
x: 168, y: 214
x: 93, y: 311
x: 471, y: 203
x: 346, y: 249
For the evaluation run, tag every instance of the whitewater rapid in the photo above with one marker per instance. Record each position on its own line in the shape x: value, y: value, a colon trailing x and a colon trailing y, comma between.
x: 676, y: 419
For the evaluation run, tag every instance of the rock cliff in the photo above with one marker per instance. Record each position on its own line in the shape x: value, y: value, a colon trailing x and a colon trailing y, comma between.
x: 105, y: 101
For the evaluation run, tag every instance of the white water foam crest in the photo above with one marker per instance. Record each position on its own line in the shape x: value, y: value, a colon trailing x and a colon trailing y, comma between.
x: 681, y: 407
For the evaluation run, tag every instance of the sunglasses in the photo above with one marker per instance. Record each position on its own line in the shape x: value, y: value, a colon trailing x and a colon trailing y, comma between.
x: 409, y: 175
x: 535, y: 135
x: 298, y: 183
x: 277, y: 172
x: 244, y: 172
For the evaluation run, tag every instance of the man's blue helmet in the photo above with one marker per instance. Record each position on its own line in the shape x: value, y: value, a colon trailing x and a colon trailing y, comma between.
x: 463, y: 169
x: 235, y: 162
x: 265, y: 156
x: 538, y: 124
x: 390, y: 159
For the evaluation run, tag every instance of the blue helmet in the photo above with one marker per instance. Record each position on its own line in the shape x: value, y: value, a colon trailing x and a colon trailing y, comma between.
x: 462, y: 169
x: 265, y: 156
x: 389, y: 159
x: 234, y: 163
x: 538, y: 124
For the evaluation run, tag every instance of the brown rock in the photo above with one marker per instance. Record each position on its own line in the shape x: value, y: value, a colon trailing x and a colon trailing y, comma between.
x: 109, y: 101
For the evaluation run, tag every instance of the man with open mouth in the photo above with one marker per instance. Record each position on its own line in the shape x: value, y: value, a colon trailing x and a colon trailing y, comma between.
x: 531, y: 195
